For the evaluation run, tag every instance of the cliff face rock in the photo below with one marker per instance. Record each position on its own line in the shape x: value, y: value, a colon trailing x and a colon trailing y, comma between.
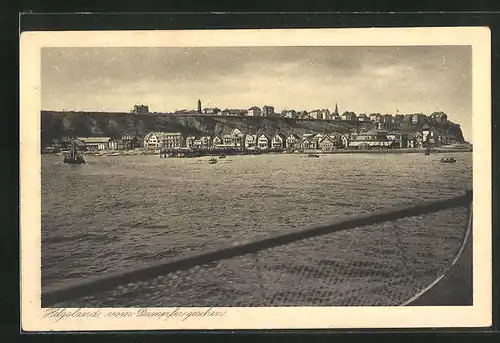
x: 56, y: 125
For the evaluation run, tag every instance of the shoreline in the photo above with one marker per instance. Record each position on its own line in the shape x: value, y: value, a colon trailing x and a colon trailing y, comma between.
x: 114, y: 153
x: 391, y: 151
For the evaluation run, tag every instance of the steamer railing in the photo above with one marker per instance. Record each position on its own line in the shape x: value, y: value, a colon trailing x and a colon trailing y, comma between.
x: 98, y: 284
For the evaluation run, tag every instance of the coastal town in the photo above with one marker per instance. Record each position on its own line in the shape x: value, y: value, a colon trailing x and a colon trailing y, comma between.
x: 252, y: 172
x: 379, y: 132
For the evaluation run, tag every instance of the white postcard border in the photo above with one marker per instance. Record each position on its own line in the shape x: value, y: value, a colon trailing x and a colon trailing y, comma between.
x: 34, y: 318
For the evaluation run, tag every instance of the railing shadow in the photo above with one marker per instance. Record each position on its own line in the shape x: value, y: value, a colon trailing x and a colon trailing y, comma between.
x: 454, y: 286
x: 293, y: 285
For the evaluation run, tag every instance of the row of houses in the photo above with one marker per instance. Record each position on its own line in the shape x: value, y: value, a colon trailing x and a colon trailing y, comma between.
x: 385, y: 121
x: 126, y: 142
x: 388, y: 120
x: 375, y: 138
x: 237, y: 139
x: 382, y: 138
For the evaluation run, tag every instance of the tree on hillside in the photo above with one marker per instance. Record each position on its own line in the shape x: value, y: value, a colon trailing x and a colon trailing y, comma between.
x: 140, y: 128
x: 81, y: 124
x: 52, y: 127
x: 113, y: 129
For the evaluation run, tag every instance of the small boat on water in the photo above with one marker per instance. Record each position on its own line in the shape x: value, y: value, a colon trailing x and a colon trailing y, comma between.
x: 448, y: 160
x: 72, y: 157
x: 222, y: 156
x: 313, y: 155
x: 212, y: 161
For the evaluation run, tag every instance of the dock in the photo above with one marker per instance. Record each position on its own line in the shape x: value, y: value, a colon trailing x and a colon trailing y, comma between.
x: 189, y: 153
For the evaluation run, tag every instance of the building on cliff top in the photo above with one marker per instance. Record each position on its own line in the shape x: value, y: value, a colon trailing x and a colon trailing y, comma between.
x: 375, y: 117
x: 439, y: 117
x: 213, y: 110
x: 418, y: 118
x: 387, y: 118
x: 349, y: 116
x: 363, y: 117
x: 140, y: 109
x: 267, y: 111
x: 387, y: 126
x: 254, y: 111
x: 234, y: 112
x: 289, y: 114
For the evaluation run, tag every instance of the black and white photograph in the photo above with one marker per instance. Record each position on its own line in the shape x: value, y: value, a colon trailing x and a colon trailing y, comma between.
x: 196, y: 183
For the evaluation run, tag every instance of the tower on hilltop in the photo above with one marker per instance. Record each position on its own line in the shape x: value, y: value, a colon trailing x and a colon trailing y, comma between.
x: 199, y: 106
x: 336, y: 109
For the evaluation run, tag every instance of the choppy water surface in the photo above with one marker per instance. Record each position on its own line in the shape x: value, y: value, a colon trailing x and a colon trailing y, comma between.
x: 116, y: 212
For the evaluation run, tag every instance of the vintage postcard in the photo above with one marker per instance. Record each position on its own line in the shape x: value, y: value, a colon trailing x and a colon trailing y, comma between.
x: 255, y: 179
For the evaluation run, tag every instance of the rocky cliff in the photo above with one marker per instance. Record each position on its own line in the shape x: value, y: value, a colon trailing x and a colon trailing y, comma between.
x: 56, y: 125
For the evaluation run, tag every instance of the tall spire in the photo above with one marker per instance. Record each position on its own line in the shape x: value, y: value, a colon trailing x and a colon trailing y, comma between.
x: 336, y: 109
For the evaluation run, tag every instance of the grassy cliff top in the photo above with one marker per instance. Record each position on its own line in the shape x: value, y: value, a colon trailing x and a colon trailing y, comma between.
x: 56, y: 125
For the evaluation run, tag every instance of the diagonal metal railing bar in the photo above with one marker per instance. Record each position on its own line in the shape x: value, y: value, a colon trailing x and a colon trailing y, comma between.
x: 97, y: 284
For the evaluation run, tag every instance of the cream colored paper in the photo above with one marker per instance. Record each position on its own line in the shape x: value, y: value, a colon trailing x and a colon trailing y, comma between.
x: 34, y: 318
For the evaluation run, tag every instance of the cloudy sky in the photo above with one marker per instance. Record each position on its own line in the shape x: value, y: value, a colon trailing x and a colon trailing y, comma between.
x: 359, y: 79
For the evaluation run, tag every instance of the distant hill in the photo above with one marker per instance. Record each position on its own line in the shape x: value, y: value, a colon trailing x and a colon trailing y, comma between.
x: 56, y: 125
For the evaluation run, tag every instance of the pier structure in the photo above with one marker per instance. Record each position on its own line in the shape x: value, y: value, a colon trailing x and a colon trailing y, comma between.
x: 199, y: 152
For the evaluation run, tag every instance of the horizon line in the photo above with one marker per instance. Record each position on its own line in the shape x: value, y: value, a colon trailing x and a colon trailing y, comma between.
x: 222, y: 109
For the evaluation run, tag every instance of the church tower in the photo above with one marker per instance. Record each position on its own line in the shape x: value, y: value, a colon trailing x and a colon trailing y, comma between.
x: 199, y: 106
x: 336, y: 109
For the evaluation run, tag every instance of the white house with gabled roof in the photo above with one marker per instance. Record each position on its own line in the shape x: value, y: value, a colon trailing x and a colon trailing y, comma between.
x: 263, y: 141
x: 279, y: 141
